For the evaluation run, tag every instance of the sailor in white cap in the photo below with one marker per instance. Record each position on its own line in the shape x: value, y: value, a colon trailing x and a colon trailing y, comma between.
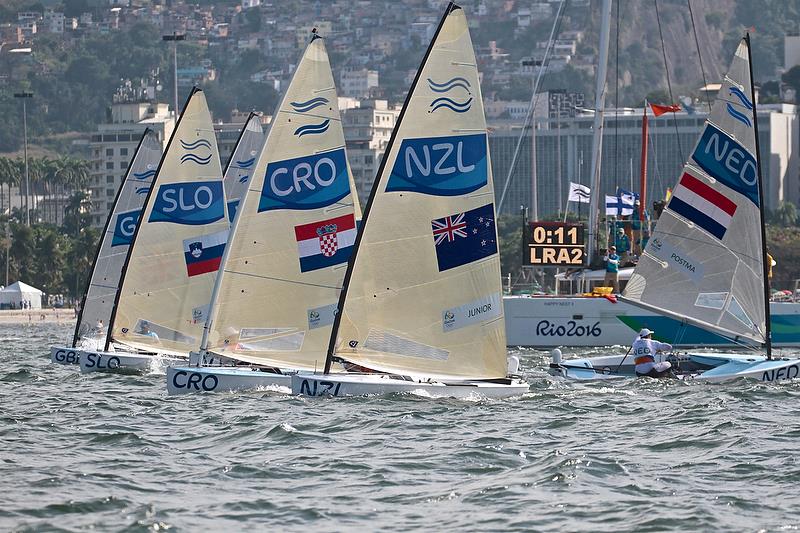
x: 644, y: 355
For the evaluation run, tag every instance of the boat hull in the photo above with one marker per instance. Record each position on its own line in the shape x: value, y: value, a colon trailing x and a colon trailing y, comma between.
x: 99, y: 361
x: 192, y: 379
x: 64, y: 355
x: 547, y: 322
x: 380, y: 384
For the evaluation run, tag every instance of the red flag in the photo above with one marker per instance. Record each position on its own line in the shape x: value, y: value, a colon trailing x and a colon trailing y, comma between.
x: 659, y: 110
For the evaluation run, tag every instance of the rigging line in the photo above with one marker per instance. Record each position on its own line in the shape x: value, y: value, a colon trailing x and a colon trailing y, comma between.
x: 669, y: 83
x: 532, y: 106
x: 291, y: 282
x: 616, y: 105
x: 699, y: 55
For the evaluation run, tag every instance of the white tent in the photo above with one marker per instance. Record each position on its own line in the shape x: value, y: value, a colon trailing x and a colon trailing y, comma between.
x: 13, y: 296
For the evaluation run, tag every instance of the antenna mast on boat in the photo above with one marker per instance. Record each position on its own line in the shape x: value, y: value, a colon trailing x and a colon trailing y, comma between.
x: 597, y: 143
x: 764, y: 255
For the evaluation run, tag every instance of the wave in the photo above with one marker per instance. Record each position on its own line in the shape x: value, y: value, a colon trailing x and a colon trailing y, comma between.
x: 308, y: 105
x: 197, y: 144
x: 313, y: 129
x: 735, y: 91
x: 144, y: 175
x: 196, y: 159
x: 142, y: 190
x: 246, y: 163
x: 738, y: 115
x: 243, y: 179
x: 449, y: 84
x: 458, y: 107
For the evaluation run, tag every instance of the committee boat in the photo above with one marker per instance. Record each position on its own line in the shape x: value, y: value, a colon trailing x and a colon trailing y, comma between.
x: 172, y: 262
x: 420, y: 308
x: 706, y: 262
x: 103, y: 281
x: 273, y: 305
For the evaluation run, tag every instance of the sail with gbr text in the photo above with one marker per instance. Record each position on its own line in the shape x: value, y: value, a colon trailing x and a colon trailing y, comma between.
x: 704, y: 261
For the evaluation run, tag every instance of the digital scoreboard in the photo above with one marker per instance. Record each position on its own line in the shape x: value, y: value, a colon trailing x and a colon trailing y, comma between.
x: 556, y: 244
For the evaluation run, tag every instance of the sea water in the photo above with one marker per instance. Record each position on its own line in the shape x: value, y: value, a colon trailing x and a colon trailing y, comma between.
x: 115, y: 453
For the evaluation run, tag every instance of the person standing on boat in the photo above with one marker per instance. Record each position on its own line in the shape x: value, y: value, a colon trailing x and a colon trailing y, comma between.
x: 623, y: 243
x: 612, y: 268
x: 644, y: 356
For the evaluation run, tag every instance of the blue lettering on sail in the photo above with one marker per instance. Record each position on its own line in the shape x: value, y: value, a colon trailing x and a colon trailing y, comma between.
x: 728, y: 162
x: 124, y: 228
x: 440, y: 166
x: 308, y: 182
x: 192, y: 203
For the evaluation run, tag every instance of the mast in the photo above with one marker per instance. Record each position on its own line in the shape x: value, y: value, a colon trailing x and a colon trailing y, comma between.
x: 452, y: 6
x: 642, y: 174
x: 147, y: 132
x: 110, y: 326
x: 764, y: 256
x: 597, y: 142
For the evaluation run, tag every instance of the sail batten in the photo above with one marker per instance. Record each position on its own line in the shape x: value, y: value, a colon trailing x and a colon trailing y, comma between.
x: 422, y: 294
x: 282, y: 272
x: 705, y: 259
x: 101, y: 289
x: 172, y: 263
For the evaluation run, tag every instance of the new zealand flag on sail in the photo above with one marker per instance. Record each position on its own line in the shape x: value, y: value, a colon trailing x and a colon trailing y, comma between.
x: 464, y: 237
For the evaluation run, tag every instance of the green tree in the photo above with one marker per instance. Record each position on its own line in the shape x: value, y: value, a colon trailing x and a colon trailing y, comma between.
x: 785, y: 215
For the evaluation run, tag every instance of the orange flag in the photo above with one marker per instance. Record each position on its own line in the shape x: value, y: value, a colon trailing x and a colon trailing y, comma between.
x: 659, y: 110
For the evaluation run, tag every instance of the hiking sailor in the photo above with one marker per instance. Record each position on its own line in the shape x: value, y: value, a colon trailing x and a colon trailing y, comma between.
x: 644, y: 351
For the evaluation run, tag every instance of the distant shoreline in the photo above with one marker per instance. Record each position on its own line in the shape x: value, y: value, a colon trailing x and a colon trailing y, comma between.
x: 37, y: 316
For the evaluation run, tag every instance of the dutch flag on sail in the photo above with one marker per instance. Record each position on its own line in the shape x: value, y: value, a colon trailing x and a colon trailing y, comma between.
x: 325, y: 243
x: 203, y: 254
x: 697, y: 202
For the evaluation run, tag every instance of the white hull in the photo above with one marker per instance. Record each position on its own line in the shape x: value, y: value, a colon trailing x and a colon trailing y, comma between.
x: 98, y: 361
x: 64, y: 355
x: 548, y: 322
x: 189, y: 379
x: 381, y: 384
x: 702, y: 367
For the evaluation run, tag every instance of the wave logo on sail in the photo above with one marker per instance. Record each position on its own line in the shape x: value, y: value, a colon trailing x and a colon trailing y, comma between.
x: 247, y: 163
x: 142, y: 190
x: 308, y: 182
x: 745, y: 102
x: 192, y: 203
x: 308, y: 105
x: 447, y: 102
x: 195, y: 151
x: 124, y: 228
x: 728, y: 162
x: 440, y: 166
x: 144, y: 175
x: 313, y: 129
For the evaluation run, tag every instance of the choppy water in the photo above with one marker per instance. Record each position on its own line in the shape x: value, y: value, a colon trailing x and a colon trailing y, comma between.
x: 114, y: 453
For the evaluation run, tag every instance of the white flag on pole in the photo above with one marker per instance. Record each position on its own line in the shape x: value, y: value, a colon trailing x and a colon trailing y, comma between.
x: 579, y: 193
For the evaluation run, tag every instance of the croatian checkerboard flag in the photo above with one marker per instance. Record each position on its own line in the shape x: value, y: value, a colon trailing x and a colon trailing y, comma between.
x: 203, y: 254
x: 465, y: 237
x: 707, y: 208
x: 325, y: 243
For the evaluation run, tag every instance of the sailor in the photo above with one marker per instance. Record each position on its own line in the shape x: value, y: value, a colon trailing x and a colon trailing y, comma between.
x: 623, y: 245
x: 612, y: 269
x: 644, y: 351
x: 145, y: 330
x: 99, y: 327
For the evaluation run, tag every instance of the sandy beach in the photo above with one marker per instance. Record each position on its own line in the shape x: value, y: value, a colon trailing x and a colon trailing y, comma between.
x: 37, y: 316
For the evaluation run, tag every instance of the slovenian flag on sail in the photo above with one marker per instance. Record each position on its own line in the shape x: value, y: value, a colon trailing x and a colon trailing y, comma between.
x: 204, y: 254
x: 697, y: 202
x: 325, y: 243
x: 464, y: 237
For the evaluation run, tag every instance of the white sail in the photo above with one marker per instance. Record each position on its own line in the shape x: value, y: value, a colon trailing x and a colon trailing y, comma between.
x: 704, y: 259
x: 177, y: 248
x: 291, y: 240
x: 423, y: 293
x: 98, y: 300
x: 243, y: 160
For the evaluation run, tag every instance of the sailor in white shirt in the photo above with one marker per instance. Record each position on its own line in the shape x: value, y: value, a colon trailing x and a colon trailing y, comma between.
x: 644, y: 351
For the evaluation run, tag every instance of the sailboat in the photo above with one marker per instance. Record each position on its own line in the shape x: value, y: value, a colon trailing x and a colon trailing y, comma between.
x: 706, y: 262
x: 242, y: 161
x: 274, y: 301
x: 101, y: 288
x: 421, y: 306
x: 172, y: 262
